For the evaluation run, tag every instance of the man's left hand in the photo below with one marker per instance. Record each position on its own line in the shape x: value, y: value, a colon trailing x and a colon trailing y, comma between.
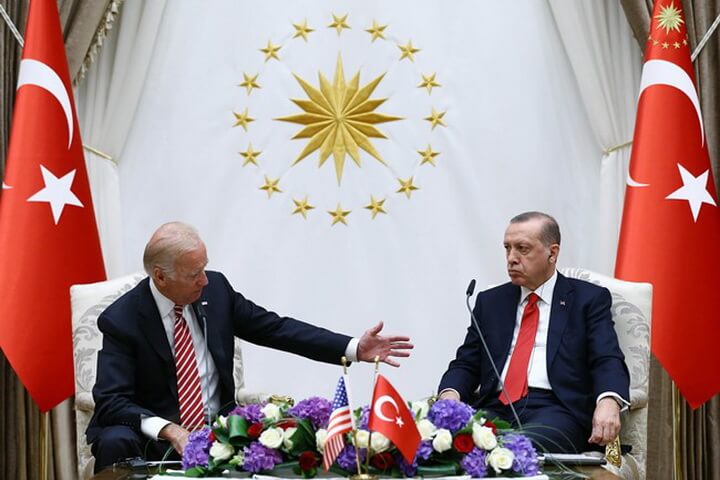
x: 605, y: 422
x: 373, y: 345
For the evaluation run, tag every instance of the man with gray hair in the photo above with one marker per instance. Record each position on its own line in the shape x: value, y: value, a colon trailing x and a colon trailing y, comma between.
x: 167, y: 357
x: 554, y: 345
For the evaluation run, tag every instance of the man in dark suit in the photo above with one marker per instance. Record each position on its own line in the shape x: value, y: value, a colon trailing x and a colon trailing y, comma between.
x: 167, y: 357
x: 553, y: 341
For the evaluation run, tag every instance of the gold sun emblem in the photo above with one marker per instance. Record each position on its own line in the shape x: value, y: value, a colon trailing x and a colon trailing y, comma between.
x: 669, y: 18
x: 339, y: 118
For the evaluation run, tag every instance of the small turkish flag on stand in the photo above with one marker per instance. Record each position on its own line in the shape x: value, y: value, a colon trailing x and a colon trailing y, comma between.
x: 670, y: 231
x: 48, y: 236
x: 390, y: 416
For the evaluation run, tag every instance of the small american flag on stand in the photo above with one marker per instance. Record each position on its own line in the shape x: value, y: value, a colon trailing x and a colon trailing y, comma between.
x: 341, y: 422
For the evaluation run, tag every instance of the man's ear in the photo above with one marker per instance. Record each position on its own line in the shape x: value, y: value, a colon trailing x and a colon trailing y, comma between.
x: 159, y: 276
x: 554, y: 252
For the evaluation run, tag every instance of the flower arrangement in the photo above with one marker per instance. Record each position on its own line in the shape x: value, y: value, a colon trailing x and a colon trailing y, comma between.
x: 271, y: 437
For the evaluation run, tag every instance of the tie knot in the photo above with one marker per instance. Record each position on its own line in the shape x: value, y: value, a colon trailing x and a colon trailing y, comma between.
x: 533, y: 299
x: 178, y: 310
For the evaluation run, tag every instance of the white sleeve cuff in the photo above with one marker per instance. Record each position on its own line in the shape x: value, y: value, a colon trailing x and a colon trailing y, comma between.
x: 151, y: 426
x: 624, y: 404
x: 351, y: 350
x: 449, y: 390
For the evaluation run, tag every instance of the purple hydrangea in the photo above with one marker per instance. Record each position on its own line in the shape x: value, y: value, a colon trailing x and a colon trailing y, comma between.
x: 408, y: 469
x: 450, y: 414
x: 315, y: 409
x: 252, y: 413
x: 526, y: 460
x: 424, y: 450
x: 197, y: 450
x: 346, y: 458
x: 364, y: 418
x: 474, y: 463
x: 259, y: 457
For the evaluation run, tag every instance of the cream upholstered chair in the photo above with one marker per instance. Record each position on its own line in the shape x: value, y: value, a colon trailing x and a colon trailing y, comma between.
x: 631, y: 311
x: 88, y: 302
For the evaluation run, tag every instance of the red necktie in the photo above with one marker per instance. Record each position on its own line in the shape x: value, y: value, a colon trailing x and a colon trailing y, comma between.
x: 192, y: 411
x: 516, y: 380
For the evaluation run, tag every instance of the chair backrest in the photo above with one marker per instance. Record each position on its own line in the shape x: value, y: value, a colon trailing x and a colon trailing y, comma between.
x: 88, y: 302
x: 631, y: 312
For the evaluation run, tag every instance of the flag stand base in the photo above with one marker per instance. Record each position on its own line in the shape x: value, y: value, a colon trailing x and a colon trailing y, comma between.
x: 363, y: 476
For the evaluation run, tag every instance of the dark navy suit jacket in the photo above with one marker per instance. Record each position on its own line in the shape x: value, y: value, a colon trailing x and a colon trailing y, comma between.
x: 583, y: 356
x: 136, y: 369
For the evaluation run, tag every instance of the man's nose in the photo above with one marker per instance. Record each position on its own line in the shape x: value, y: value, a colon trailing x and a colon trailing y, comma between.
x: 203, y: 279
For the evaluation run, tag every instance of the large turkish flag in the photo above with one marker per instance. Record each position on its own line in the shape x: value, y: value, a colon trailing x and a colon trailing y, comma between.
x: 48, y: 236
x: 670, y: 234
x: 390, y: 415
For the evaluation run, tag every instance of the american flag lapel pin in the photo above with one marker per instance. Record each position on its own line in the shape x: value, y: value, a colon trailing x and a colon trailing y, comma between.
x: 562, y: 303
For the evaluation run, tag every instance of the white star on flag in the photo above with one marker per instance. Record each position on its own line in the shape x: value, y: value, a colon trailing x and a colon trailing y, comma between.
x: 694, y: 190
x: 56, y: 192
x: 399, y: 422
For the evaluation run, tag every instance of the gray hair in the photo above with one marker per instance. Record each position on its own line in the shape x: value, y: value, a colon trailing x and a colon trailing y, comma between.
x: 550, y: 232
x: 167, y: 244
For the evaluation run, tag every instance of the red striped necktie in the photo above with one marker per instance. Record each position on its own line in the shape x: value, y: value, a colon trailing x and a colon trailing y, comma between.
x: 192, y: 411
x: 516, y: 380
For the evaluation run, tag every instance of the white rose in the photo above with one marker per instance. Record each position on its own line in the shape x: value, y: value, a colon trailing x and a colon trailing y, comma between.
x: 379, y: 442
x: 484, y: 437
x: 420, y: 408
x: 287, y: 440
x: 442, y: 441
x: 221, y: 421
x: 221, y: 451
x: 320, y: 437
x: 271, y: 411
x: 500, y: 459
x: 362, y: 438
x: 272, y: 437
x: 426, y: 428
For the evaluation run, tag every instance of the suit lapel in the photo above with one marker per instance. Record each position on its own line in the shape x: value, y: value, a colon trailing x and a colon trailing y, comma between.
x: 559, y: 312
x: 152, y: 326
x: 215, y: 337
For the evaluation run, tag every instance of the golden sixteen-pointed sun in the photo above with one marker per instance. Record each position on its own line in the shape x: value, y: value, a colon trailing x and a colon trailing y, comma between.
x: 339, y: 118
x: 669, y: 18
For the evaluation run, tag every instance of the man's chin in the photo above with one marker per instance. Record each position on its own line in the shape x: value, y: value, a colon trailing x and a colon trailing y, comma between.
x: 517, y: 280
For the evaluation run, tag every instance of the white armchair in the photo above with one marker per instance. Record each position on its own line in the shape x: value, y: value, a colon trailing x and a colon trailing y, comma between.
x: 631, y: 311
x: 88, y: 302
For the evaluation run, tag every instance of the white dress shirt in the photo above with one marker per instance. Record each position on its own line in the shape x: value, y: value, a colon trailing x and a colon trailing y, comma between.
x: 209, y: 379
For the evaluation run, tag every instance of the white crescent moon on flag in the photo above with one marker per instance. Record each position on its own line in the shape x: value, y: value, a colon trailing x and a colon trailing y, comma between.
x: 377, y: 409
x: 662, y: 72
x: 33, y: 72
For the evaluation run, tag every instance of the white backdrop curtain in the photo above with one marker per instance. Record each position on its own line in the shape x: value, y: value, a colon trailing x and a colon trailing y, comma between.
x: 607, y: 63
x: 107, y: 100
x: 517, y: 138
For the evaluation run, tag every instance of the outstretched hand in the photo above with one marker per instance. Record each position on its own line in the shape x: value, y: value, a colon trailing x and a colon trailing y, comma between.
x: 374, y: 345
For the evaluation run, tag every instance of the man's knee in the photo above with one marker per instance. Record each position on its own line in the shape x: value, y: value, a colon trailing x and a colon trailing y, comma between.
x: 114, y: 444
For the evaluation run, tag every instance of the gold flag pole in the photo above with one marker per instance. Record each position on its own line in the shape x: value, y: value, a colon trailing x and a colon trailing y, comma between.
x: 369, y: 447
x: 677, y: 434
x: 44, y: 435
x: 343, y: 360
x: 365, y: 476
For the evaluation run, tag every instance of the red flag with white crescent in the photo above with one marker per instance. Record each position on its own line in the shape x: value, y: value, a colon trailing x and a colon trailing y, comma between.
x: 48, y: 237
x: 670, y: 230
x: 390, y: 415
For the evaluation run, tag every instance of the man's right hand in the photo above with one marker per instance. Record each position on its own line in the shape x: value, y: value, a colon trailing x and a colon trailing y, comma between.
x: 176, y: 435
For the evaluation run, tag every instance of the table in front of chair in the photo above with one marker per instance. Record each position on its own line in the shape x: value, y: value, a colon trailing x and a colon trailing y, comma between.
x: 595, y: 473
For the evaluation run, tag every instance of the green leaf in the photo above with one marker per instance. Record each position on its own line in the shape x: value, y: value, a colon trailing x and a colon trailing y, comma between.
x: 237, y: 428
x: 195, y: 472
x: 437, y: 470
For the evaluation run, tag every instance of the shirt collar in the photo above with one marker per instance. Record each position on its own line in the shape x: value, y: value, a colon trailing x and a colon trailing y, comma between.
x: 165, y: 305
x: 544, y: 291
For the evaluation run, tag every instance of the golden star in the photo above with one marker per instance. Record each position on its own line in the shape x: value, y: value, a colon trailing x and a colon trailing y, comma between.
x: 665, y: 45
x: 271, y: 51
x: 375, y: 206
x: 339, y: 119
x: 669, y: 18
x: 339, y: 23
x: 436, y: 118
x: 250, y: 156
x: 429, y: 82
x: 655, y: 42
x: 406, y: 187
x: 377, y: 31
x: 302, y: 207
x: 249, y: 82
x: 428, y: 156
x: 684, y: 41
x: 339, y: 215
x: 676, y: 45
x: 271, y: 186
x: 408, y: 51
x: 302, y: 30
x: 242, y: 119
